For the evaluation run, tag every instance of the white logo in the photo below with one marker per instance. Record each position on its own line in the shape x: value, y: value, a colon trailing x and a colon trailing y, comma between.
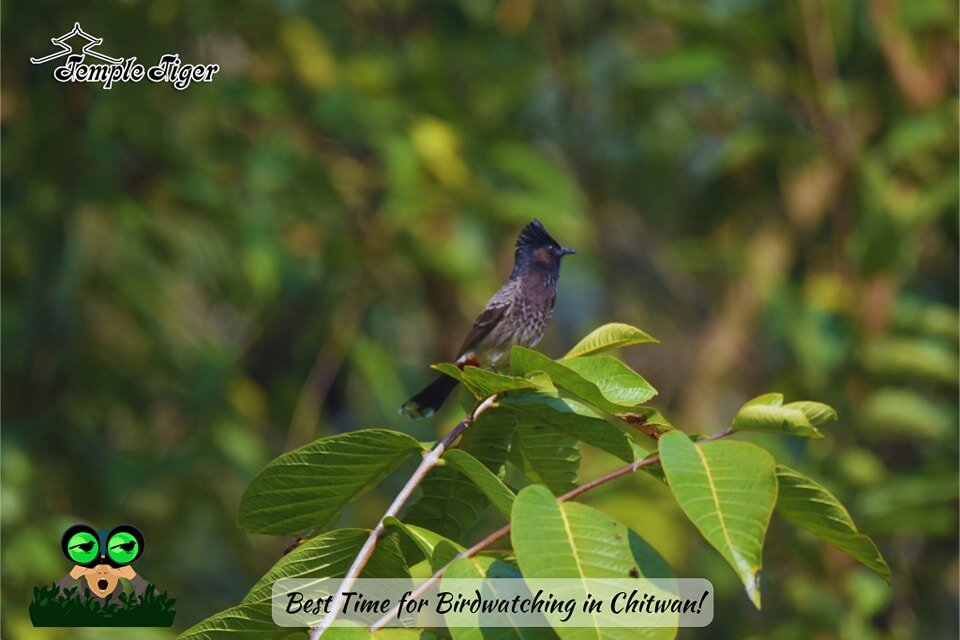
x: 169, y: 69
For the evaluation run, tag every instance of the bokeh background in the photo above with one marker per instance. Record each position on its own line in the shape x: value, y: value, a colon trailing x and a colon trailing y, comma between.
x: 196, y: 281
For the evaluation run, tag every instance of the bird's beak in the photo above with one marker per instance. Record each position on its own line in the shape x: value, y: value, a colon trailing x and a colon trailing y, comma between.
x: 566, y: 251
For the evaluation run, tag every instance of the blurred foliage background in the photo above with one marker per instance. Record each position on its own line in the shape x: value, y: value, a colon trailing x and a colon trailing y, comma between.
x: 196, y: 281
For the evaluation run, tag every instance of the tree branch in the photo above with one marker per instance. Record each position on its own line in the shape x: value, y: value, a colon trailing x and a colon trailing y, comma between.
x: 504, y: 530
x: 429, y: 461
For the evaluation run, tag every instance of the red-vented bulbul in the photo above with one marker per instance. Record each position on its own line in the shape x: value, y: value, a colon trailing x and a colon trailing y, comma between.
x: 516, y: 314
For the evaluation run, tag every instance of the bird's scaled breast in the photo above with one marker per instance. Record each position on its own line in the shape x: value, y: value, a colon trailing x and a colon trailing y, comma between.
x: 532, y: 321
x: 531, y: 305
x: 524, y: 325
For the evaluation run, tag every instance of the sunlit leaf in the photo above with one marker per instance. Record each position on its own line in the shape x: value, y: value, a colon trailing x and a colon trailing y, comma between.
x: 616, y: 381
x: 571, y: 540
x: 768, y: 413
x: 608, y: 337
x: 525, y: 361
x: 728, y: 490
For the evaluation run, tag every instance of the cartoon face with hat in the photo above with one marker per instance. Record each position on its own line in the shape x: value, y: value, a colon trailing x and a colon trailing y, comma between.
x: 101, y: 558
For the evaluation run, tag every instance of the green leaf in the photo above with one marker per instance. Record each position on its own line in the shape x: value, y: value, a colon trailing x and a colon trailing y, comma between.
x: 768, y: 413
x: 481, y: 567
x: 451, y: 503
x: 478, y: 568
x: 443, y: 554
x: 816, y: 412
x: 483, y: 383
x: 552, y: 412
x: 307, y: 487
x: 728, y: 490
x: 524, y: 361
x: 557, y: 414
x: 424, y: 540
x: 811, y: 506
x: 617, y: 382
x: 571, y: 540
x: 329, y: 556
x: 326, y: 556
x: 607, y: 338
x: 548, y: 456
x: 449, y: 369
x: 498, y: 493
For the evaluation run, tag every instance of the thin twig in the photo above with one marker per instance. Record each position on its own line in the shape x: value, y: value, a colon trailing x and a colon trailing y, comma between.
x: 429, y: 461
x: 504, y: 530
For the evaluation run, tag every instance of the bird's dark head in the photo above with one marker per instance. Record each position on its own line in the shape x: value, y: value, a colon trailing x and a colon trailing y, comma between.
x: 536, y: 249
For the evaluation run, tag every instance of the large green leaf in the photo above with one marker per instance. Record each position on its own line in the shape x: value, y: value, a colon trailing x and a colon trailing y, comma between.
x: 307, y: 487
x: 326, y: 556
x: 526, y: 361
x: 548, y: 436
x: 811, y: 506
x: 617, y: 382
x: 768, y: 413
x: 728, y: 490
x: 497, y: 493
x: 552, y: 412
x: 607, y: 338
x: 451, y: 503
x: 570, y: 540
x: 329, y: 556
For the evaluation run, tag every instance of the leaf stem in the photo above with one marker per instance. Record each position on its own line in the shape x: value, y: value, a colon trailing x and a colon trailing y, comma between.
x: 430, y: 460
x: 504, y: 530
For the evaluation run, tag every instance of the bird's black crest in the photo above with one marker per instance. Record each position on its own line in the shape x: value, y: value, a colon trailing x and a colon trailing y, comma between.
x: 535, y: 235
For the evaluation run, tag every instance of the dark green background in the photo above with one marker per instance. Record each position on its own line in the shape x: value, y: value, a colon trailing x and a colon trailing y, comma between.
x: 195, y: 281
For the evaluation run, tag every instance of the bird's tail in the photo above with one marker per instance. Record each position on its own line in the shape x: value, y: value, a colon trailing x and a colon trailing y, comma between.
x: 428, y: 401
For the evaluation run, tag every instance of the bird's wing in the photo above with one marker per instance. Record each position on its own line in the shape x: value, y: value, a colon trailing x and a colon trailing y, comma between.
x: 484, y: 324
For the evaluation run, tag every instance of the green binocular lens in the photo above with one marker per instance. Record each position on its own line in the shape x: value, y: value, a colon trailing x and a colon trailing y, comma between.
x: 82, y: 546
x: 87, y: 547
x: 123, y: 546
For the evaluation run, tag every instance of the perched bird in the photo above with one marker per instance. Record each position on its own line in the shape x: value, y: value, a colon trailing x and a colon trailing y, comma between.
x: 516, y: 314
